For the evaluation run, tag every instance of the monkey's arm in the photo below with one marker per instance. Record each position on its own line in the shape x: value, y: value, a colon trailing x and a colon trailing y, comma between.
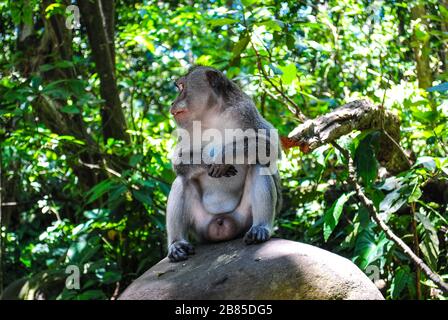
x: 178, y: 221
x: 259, y: 148
x: 215, y: 170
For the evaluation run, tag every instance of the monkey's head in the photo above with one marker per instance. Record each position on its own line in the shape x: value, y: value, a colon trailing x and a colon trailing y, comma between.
x: 201, y: 91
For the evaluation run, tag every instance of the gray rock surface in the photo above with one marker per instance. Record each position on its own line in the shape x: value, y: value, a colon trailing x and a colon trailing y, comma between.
x: 277, y: 269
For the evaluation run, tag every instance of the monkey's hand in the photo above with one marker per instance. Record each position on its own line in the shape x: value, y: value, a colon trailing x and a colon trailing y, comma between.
x: 221, y: 170
x: 180, y: 250
x: 257, y: 234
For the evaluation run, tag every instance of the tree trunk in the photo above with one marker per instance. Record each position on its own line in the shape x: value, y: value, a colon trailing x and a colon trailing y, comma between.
x: 52, y: 45
x: 444, y: 45
x: 1, y: 222
x: 420, y: 45
x: 98, y: 17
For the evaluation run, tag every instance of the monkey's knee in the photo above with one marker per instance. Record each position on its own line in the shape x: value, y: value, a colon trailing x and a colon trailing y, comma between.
x: 180, y: 250
x: 257, y: 234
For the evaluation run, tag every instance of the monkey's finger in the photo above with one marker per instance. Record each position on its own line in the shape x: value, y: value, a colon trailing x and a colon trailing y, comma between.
x: 221, y: 172
x: 211, y: 171
x: 217, y: 172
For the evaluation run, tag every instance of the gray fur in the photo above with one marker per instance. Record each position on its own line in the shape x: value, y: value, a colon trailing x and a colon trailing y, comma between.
x: 203, y: 193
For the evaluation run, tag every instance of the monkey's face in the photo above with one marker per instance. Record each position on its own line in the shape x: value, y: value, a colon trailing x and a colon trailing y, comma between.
x: 197, y: 97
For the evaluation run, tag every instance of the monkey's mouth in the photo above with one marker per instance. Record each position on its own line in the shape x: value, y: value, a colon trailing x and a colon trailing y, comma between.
x: 179, y: 114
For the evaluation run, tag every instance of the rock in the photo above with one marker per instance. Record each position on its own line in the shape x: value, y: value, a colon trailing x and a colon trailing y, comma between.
x: 277, y: 269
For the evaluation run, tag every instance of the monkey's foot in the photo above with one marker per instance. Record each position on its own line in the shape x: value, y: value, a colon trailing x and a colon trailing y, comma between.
x: 257, y: 234
x: 221, y: 170
x: 179, y: 250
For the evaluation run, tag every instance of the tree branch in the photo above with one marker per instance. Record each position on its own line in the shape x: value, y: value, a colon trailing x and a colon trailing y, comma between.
x: 356, y: 115
x: 368, y: 204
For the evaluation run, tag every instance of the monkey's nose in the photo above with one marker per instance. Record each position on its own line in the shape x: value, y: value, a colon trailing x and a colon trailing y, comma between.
x: 220, y: 221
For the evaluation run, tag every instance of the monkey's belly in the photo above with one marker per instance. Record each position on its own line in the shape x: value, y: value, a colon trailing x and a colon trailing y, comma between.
x: 221, y: 195
x: 216, y: 202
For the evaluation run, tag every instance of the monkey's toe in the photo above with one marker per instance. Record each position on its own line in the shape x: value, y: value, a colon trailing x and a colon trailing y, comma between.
x: 179, y: 251
x: 257, y: 234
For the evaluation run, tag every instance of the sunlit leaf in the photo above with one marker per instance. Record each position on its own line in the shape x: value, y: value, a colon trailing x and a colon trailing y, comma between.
x: 222, y: 22
x: 430, y: 243
x: 331, y: 217
x: 289, y: 73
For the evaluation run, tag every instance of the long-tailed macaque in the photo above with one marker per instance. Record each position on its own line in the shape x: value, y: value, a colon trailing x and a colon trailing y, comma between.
x: 220, y: 200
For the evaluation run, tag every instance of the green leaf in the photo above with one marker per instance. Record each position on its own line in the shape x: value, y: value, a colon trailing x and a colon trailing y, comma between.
x: 364, y: 217
x: 144, y: 41
x: 72, y: 109
x: 272, y: 25
x: 111, y: 277
x: 415, y: 195
x: 289, y: 73
x: 427, y: 162
x: 290, y: 42
x: 365, y: 159
x: 142, y: 196
x: 403, y: 277
x: 248, y: 3
x: 99, y: 190
x: 392, y: 203
x: 444, y: 12
x: 76, y: 86
x: 222, y: 22
x: 332, y: 215
x: 425, y: 117
x: 83, y: 249
x: 369, y: 248
x: 135, y: 159
x: 240, y: 46
x: 430, y: 244
x: 92, y: 295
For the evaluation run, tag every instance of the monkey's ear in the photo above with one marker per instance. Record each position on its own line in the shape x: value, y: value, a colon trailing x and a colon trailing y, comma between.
x: 216, y: 81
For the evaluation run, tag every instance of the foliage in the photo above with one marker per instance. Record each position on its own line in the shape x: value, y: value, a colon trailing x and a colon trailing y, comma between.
x: 110, y: 221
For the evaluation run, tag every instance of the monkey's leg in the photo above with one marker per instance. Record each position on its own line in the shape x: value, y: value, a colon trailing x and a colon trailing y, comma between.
x: 263, y: 195
x: 178, y: 220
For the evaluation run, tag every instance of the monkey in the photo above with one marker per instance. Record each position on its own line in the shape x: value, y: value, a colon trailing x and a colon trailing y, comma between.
x: 217, y: 200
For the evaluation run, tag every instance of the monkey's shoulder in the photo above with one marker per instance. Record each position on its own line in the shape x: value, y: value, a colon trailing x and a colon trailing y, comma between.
x: 246, y: 114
